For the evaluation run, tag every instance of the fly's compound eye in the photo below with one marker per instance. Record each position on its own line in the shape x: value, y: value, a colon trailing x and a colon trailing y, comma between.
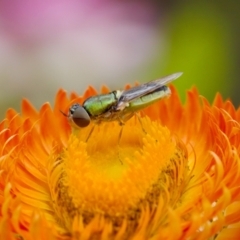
x: 79, y: 116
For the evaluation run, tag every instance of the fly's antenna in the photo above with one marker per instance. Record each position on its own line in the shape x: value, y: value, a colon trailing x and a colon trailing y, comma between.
x: 64, y: 114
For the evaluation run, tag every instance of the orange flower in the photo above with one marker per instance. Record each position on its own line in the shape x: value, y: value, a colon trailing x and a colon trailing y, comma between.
x: 177, y: 179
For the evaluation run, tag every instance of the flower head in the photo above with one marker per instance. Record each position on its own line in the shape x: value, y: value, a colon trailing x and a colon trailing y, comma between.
x: 171, y: 173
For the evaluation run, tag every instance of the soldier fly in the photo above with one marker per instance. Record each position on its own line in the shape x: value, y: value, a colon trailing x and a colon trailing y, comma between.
x: 120, y: 105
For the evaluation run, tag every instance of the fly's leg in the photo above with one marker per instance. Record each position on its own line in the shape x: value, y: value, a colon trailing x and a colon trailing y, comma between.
x: 90, y: 133
x: 121, y: 123
x: 139, y: 119
x: 120, y: 134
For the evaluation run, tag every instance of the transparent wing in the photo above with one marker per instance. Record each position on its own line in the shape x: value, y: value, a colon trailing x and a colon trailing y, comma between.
x: 145, y: 88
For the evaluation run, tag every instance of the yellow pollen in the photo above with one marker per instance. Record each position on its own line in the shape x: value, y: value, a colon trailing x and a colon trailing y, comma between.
x: 109, y: 175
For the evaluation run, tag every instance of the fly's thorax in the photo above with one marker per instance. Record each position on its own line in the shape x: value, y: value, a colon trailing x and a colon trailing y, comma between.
x: 121, y: 104
x: 100, y: 104
x: 118, y: 94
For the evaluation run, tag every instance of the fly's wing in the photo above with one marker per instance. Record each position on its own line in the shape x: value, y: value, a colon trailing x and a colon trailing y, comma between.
x: 143, y: 89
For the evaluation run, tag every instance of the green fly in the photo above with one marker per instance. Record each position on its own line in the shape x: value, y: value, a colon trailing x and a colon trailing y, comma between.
x: 119, y: 105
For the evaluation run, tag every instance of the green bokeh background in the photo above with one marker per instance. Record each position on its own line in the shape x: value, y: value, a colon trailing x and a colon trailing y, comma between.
x: 204, y: 44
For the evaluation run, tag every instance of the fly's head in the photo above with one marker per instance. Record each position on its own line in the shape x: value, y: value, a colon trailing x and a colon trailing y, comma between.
x: 78, y: 115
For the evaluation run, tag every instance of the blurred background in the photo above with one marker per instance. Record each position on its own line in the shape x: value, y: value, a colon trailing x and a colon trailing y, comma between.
x: 47, y: 45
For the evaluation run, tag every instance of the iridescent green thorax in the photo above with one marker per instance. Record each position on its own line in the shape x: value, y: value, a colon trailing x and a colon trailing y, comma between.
x: 100, y: 104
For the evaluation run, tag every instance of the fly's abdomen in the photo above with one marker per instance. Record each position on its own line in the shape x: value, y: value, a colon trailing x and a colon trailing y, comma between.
x: 100, y: 104
x: 148, y: 99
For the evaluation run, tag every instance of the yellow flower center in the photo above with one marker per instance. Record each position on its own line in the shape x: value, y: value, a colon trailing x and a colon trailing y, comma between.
x: 112, y: 174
